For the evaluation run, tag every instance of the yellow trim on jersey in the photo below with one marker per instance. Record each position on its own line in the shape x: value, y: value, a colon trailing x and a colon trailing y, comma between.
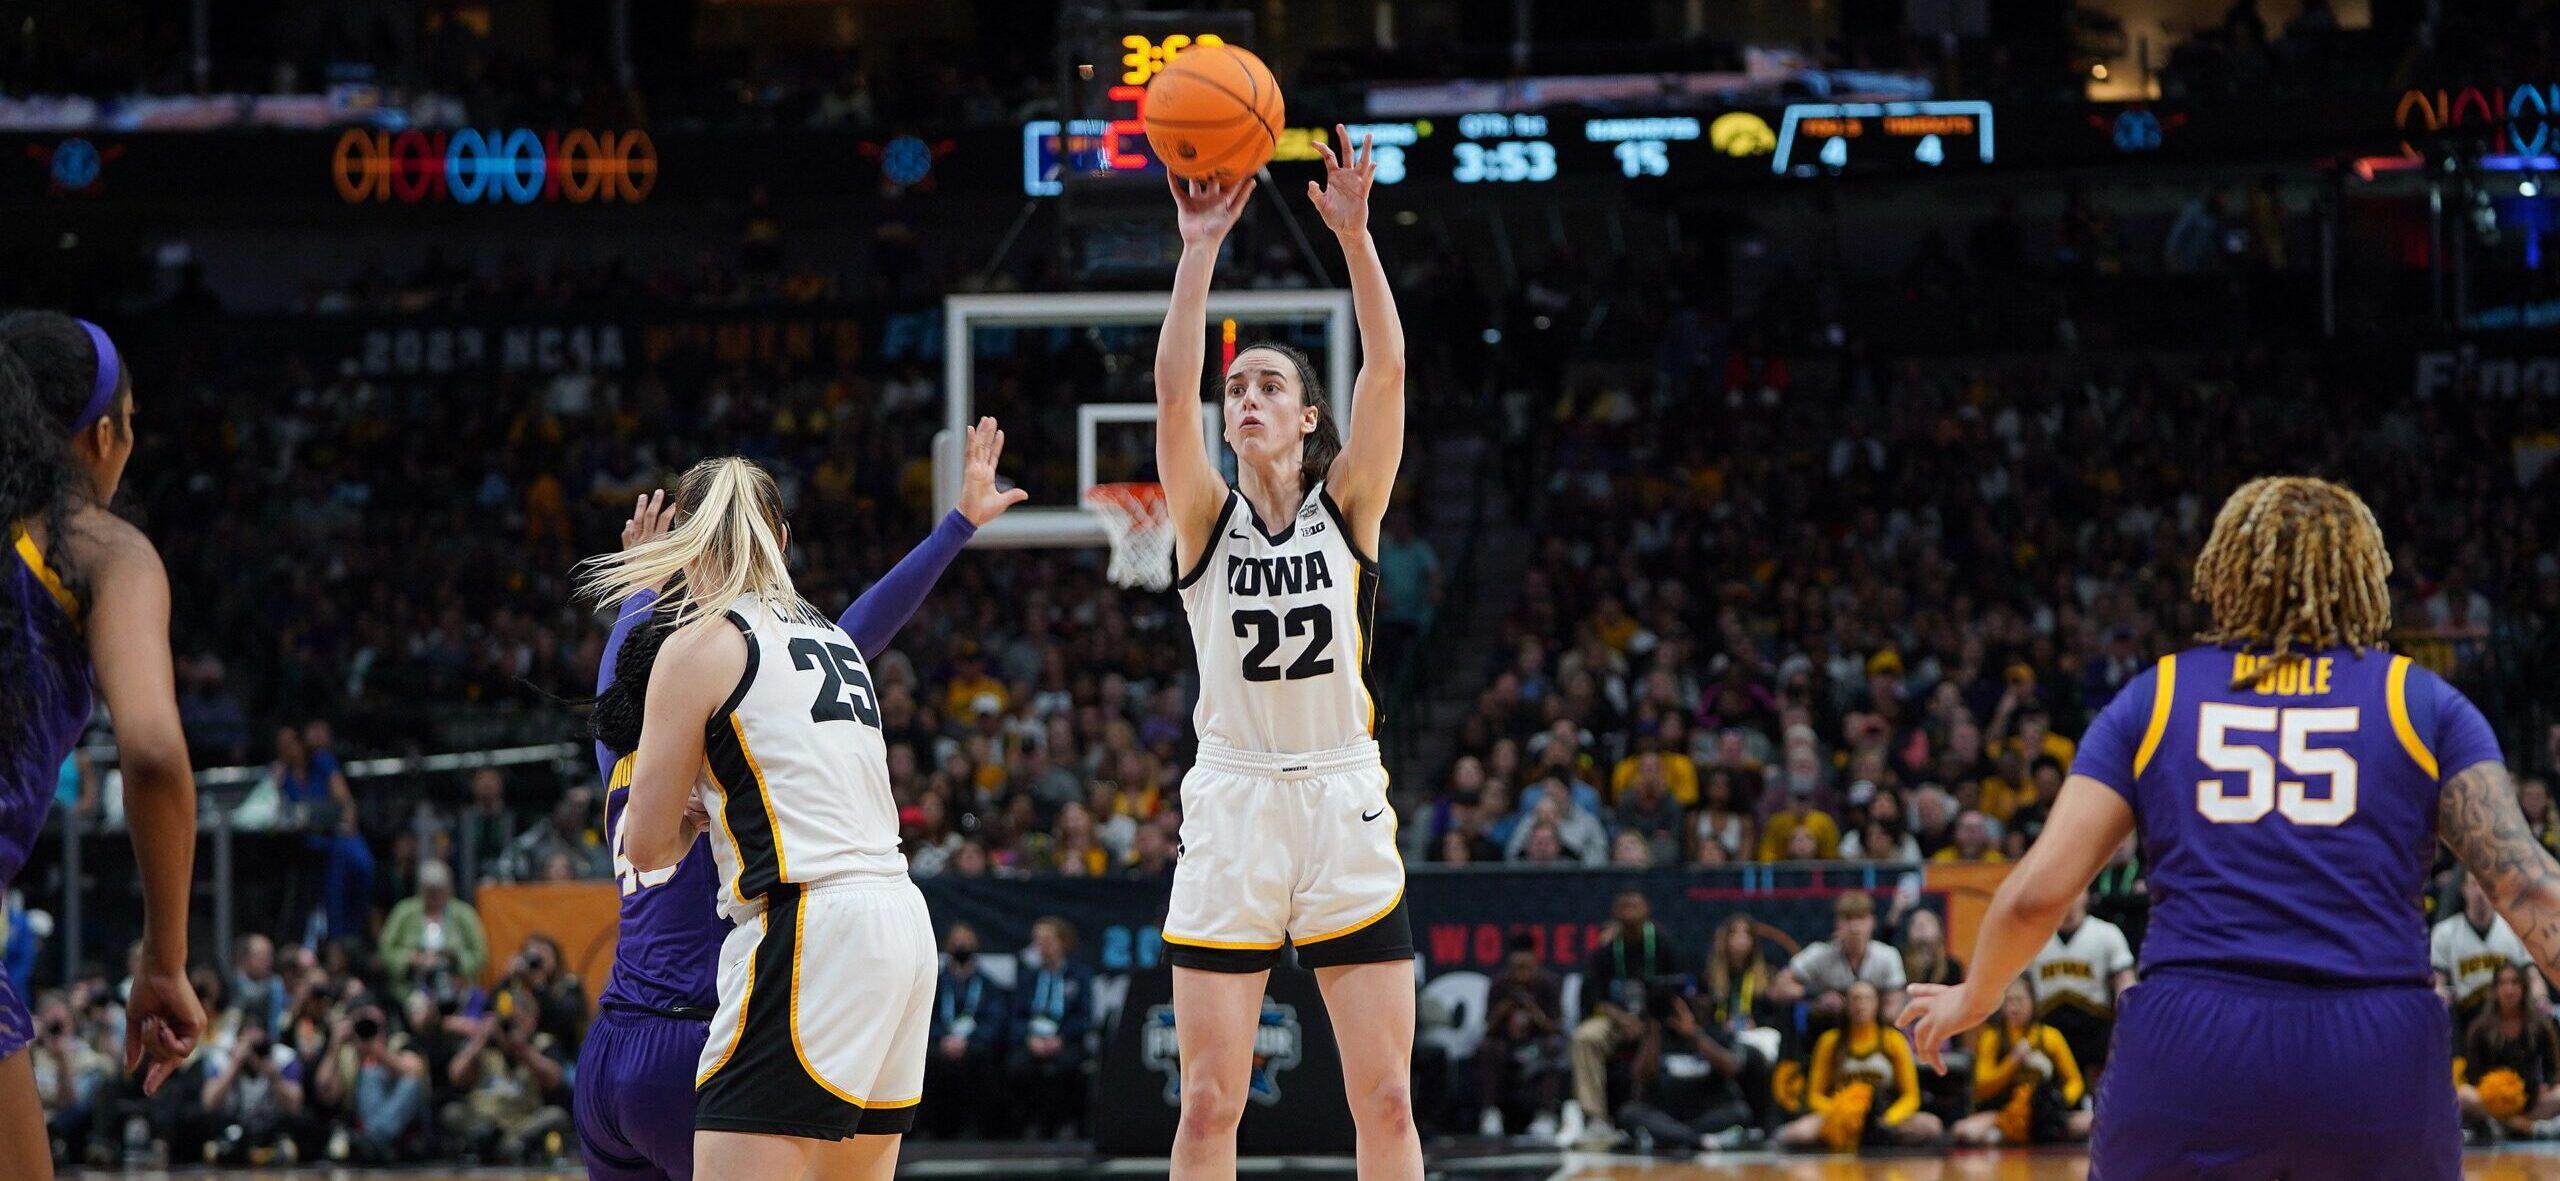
x: 2164, y: 690
x: 1357, y: 927
x: 34, y: 558
x: 1216, y: 944
x: 799, y: 927
x: 744, y: 1003
x: 737, y: 856
x: 773, y: 821
x: 2397, y: 693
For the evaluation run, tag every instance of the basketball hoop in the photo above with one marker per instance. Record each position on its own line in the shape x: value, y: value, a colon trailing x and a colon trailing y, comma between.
x: 1141, y: 533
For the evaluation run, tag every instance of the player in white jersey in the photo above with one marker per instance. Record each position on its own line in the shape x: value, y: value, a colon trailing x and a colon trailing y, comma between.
x: 760, y: 715
x: 1287, y: 834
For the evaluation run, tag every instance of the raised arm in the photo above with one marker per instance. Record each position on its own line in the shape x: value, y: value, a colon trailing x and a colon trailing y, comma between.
x: 651, y: 515
x: 696, y: 671
x: 2088, y: 821
x: 1192, y: 488
x: 1364, y: 475
x: 2478, y: 818
x: 128, y: 630
x: 874, y: 619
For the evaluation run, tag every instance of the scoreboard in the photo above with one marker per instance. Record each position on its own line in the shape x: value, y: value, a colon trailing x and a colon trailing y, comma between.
x: 1498, y: 149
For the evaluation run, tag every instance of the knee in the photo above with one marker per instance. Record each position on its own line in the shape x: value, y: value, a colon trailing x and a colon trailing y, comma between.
x: 1384, y: 1106
x: 1211, y: 1107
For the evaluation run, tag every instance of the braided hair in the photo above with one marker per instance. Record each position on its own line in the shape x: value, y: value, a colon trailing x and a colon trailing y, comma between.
x: 47, y: 368
x: 2295, y: 562
x: 624, y: 703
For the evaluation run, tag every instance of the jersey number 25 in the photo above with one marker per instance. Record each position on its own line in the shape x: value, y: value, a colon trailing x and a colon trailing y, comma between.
x: 2261, y: 791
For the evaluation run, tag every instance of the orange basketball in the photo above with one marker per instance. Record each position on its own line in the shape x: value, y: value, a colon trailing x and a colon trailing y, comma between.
x: 1214, y: 114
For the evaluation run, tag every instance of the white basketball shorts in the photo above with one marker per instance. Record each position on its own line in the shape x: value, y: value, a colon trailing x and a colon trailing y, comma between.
x: 1287, y: 850
x: 826, y: 1001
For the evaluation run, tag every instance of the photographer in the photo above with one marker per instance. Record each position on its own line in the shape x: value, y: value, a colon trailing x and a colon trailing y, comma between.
x: 1696, y: 1086
x: 370, y: 1074
x: 1520, y: 1063
x: 559, y: 1001
x: 69, y: 1073
x: 506, y: 1070
x: 1622, y: 974
x: 254, y: 1096
x: 1051, y: 1010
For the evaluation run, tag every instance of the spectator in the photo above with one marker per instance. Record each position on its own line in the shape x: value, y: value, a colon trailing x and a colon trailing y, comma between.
x: 1151, y: 854
x: 1880, y: 839
x: 2512, y: 1035
x: 1822, y: 972
x: 1723, y: 819
x: 2533, y: 798
x: 1647, y: 812
x: 964, y: 1075
x: 571, y: 832
x: 2119, y: 894
x: 1864, y: 1051
x: 1628, y: 850
x: 1408, y: 593
x: 1052, y: 1010
x: 2079, y: 975
x: 376, y: 1083
x: 1799, y: 816
x: 1924, y: 951
x: 1520, y: 1063
x: 1933, y: 814
x: 2467, y: 949
x: 1623, y: 972
x: 1973, y: 840
x: 71, y: 1075
x: 536, y: 978
x: 1736, y: 984
x: 486, y: 828
x: 1577, y: 833
x: 434, y: 941
x: 336, y: 880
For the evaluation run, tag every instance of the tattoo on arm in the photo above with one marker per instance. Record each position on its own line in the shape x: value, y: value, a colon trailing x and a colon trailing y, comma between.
x: 2478, y: 818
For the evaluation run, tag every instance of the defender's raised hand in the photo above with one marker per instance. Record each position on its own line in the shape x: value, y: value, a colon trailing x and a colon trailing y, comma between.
x: 980, y: 500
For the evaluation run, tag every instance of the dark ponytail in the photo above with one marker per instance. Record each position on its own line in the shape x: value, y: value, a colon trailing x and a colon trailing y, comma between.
x: 47, y: 367
x: 1324, y: 442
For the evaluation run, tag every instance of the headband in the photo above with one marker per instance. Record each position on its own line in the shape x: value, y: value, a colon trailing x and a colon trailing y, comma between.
x: 102, y: 392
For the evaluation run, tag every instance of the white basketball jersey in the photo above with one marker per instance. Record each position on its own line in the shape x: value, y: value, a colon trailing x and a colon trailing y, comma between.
x: 1280, y: 625
x: 798, y: 767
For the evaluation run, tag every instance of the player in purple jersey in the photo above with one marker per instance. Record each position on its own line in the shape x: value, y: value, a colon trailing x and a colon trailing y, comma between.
x: 2289, y: 781
x: 84, y: 602
x: 636, y: 1069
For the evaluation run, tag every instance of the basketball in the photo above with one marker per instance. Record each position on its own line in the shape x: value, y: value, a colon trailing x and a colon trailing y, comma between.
x: 1214, y: 115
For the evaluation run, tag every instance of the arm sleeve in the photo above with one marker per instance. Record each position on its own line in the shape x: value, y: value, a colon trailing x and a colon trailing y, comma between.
x: 874, y: 619
x: 2114, y: 740
x: 2073, y: 1086
x: 634, y: 609
x: 1817, y: 1089
x: 2461, y: 738
x: 1991, y: 1069
x: 1906, y: 1078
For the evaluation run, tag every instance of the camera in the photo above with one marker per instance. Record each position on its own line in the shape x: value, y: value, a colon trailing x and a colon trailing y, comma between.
x: 368, y: 1027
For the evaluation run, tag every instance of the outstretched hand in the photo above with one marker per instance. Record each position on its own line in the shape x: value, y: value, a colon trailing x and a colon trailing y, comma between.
x: 651, y: 516
x: 980, y: 500
x: 1205, y: 212
x: 1343, y: 199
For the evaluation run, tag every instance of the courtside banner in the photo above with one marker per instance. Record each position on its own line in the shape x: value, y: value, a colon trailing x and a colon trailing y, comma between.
x: 1464, y: 919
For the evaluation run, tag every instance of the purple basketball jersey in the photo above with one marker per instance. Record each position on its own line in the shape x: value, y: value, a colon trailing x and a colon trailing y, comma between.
x: 2288, y: 824
x: 62, y: 701
x: 668, y: 951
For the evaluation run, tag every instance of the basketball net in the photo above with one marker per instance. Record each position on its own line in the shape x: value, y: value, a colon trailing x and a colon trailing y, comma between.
x: 1141, y: 533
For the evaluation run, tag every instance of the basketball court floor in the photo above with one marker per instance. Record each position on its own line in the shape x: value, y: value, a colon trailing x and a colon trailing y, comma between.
x: 2524, y: 1162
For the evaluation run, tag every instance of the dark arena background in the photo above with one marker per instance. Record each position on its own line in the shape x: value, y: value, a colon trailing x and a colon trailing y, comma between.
x: 1815, y: 412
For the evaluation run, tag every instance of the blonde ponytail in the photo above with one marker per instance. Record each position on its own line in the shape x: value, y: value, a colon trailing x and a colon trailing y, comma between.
x: 727, y: 545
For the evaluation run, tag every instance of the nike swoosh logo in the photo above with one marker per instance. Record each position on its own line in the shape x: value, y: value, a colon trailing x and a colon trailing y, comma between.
x: 1373, y: 815
x: 1238, y: 536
